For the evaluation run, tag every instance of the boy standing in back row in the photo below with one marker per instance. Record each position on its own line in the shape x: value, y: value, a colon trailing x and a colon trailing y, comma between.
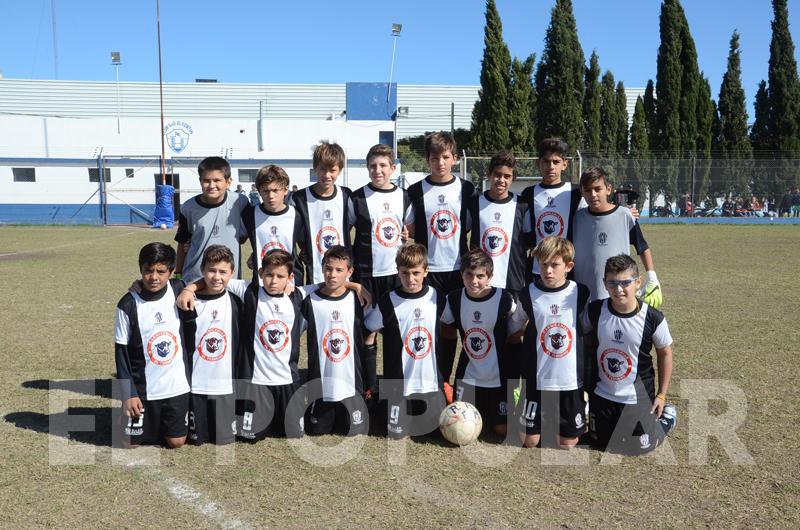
x: 441, y: 213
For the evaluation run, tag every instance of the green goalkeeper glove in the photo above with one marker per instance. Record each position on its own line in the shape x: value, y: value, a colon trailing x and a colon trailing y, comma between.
x: 652, y: 291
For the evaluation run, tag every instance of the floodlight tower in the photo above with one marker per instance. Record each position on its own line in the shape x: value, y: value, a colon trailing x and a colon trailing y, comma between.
x: 396, y: 29
x: 116, y: 61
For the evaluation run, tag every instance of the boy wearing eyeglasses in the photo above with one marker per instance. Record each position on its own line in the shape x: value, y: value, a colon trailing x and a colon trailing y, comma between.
x: 626, y: 414
x: 604, y: 230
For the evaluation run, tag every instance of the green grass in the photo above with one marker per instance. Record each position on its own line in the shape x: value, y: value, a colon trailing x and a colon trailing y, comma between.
x: 731, y: 299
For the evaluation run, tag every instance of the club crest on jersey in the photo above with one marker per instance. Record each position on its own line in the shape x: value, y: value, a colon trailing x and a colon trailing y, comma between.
x: 273, y: 230
x: 276, y: 308
x: 618, y: 335
x: 213, y: 345
x: 162, y: 348
x: 274, y: 336
x: 357, y: 418
x: 444, y: 224
x: 441, y: 199
x: 615, y: 364
x: 327, y: 237
x: 386, y: 207
x: 387, y: 232
x: 494, y: 241
x: 159, y: 317
x: 215, y: 231
x: 417, y: 313
x: 602, y: 237
x: 551, y: 202
x: 550, y: 223
x: 418, y: 342
x: 477, y: 343
x: 554, y: 309
x: 214, y: 314
x: 335, y: 316
x: 336, y: 345
x: 476, y: 316
x: 556, y: 340
x: 327, y: 215
x: 579, y: 420
x: 497, y: 216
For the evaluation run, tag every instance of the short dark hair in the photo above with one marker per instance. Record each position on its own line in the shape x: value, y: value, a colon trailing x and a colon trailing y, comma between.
x: 271, y: 173
x: 217, y: 254
x: 338, y: 252
x: 380, y: 150
x: 439, y: 142
x: 214, y: 163
x: 328, y: 154
x: 475, y: 259
x: 503, y: 158
x: 593, y: 174
x: 620, y: 263
x: 277, y: 258
x: 157, y: 252
x: 553, y: 145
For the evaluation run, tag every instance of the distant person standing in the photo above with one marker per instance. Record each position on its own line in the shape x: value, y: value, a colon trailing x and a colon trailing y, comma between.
x: 239, y: 188
x: 795, y: 202
x: 785, y: 206
x: 255, y: 198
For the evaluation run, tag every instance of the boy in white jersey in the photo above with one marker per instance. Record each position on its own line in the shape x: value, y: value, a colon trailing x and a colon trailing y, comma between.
x: 412, y: 347
x: 152, y: 363
x: 273, y: 224
x: 604, y: 230
x: 325, y: 209
x: 339, y: 367
x: 211, y: 218
x: 479, y: 312
x: 626, y: 414
x: 441, y: 213
x: 552, y: 368
x: 270, y: 326
x: 211, y: 333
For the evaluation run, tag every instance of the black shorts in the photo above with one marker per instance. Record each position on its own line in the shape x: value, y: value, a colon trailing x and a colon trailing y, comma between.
x: 414, y: 415
x: 212, y: 418
x: 626, y: 429
x: 268, y: 410
x: 445, y: 282
x: 162, y: 418
x: 535, y: 406
x: 378, y: 286
x: 348, y: 416
x: 492, y: 403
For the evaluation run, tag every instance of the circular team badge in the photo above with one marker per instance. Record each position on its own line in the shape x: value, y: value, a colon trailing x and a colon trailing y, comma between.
x: 616, y: 364
x: 444, y: 224
x: 387, y: 232
x: 327, y: 237
x: 272, y: 245
x: 477, y: 343
x: 418, y: 342
x: 336, y: 345
x: 549, y: 223
x: 494, y: 241
x: 213, y: 345
x: 556, y: 340
x: 274, y: 336
x: 162, y: 348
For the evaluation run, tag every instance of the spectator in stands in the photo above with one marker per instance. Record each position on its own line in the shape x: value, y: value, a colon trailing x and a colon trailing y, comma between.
x: 728, y: 207
x: 796, y: 202
x: 786, y: 204
x: 754, y: 204
x: 684, y: 204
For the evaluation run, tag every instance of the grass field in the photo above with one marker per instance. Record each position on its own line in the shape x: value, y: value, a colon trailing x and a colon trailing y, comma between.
x: 731, y: 298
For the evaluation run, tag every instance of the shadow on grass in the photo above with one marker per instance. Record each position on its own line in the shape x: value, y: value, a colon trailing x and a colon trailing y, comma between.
x: 89, y: 425
x: 90, y: 387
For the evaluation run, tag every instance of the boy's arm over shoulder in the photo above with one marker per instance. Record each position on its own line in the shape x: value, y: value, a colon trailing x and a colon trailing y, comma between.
x: 237, y: 287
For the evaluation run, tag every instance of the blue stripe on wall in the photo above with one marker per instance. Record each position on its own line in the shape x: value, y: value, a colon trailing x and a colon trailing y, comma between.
x: 73, y: 214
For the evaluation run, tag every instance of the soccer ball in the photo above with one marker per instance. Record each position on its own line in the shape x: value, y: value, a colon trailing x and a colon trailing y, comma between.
x: 163, y: 226
x: 460, y: 423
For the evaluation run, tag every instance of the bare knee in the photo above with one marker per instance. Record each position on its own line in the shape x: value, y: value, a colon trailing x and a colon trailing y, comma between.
x: 567, y: 443
x: 529, y: 440
x: 175, y: 443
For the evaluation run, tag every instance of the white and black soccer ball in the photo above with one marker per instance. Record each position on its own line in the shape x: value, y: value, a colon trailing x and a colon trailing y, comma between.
x: 460, y: 423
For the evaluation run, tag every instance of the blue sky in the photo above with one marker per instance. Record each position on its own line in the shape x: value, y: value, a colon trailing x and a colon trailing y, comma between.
x: 349, y: 40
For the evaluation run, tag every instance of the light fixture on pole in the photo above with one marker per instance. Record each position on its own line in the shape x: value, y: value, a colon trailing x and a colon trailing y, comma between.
x: 396, y: 29
x: 116, y: 61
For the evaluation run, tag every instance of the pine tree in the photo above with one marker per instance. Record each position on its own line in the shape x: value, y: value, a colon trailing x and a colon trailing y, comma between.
x: 639, y: 152
x: 490, y: 115
x: 559, y: 79
x: 621, y: 101
x: 608, y: 116
x: 591, y: 106
x: 520, y: 128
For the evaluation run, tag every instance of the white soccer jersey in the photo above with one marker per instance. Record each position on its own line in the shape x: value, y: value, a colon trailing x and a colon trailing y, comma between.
x: 553, y: 340
x: 484, y: 329
x: 149, y: 344
x: 335, y: 343
x: 442, y: 220
x: 551, y: 209
x: 410, y: 324
x: 380, y: 218
x: 269, y: 231
x: 328, y: 221
x: 623, y: 353
x: 211, y: 332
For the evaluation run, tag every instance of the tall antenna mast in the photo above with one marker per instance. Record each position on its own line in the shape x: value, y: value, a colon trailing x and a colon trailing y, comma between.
x: 55, y: 37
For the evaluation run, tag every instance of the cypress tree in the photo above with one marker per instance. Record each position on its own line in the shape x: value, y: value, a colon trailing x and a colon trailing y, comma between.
x: 559, y: 79
x: 520, y: 127
x: 669, y: 72
x: 591, y: 106
x: 734, y: 142
x: 621, y: 100
x: 705, y: 128
x: 490, y: 114
x: 608, y: 116
x: 649, y: 102
x: 690, y: 86
x: 759, y: 133
x: 784, y: 92
x: 640, y: 152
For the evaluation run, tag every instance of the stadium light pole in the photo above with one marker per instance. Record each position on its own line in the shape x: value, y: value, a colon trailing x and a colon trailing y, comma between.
x: 116, y: 62
x: 161, y: 93
x: 396, y: 29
